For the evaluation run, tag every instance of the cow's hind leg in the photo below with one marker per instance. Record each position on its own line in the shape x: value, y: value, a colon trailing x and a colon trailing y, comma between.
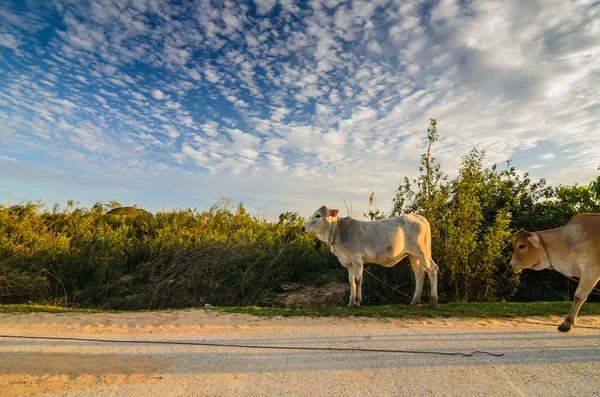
x: 586, y: 285
x: 419, y: 279
x: 432, y: 271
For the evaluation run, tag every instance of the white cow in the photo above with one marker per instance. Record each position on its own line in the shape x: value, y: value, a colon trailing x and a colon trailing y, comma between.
x: 384, y: 242
x: 572, y: 250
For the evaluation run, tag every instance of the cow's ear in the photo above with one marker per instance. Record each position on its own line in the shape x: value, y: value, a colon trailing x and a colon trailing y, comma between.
x: 333, y: 212
x: 534, y: 240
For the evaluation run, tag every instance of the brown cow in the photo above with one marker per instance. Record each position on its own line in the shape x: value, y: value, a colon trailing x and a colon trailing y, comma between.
x: 572, y: 250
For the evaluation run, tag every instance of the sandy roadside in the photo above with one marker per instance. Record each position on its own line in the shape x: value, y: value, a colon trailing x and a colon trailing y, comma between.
x: 34, y: 368
x: 208, y: 321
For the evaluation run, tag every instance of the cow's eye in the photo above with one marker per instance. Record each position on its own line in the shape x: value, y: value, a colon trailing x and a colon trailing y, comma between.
x: 522, y: 246
x: 318, y: 216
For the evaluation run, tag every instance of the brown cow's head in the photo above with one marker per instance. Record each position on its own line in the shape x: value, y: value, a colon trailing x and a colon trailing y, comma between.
x: 528, y: 253
x: 320, y: 220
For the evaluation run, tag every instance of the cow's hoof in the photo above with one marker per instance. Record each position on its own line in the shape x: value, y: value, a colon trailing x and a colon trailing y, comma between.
x: 564, y: 327
x: 413, y: 304
x: 433, y: 304
x: 357, y: 304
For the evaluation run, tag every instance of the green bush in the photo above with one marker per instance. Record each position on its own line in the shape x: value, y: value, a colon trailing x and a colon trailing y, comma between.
x: 474, y: 219
x: 129, y: 258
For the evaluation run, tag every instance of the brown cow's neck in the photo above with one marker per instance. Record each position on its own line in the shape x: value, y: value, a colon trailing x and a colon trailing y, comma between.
x: 543, y: 243
x: 558, y: 259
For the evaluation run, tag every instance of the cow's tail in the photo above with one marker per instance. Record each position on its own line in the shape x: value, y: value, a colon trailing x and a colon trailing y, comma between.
x: 427, y: 232
x: 428, y: 242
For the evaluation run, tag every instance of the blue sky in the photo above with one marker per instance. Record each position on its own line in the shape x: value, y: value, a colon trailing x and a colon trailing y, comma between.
x: 288, y: 105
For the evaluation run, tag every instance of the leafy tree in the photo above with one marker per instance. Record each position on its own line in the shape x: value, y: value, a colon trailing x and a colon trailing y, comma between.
x: 470, y: 223
x: 595, y: 187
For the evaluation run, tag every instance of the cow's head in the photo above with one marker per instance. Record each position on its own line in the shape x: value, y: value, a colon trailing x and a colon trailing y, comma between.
x: 320, y: 220
x: 528, y: 253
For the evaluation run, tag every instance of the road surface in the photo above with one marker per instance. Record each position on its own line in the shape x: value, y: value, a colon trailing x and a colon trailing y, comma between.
x: 538, y: 360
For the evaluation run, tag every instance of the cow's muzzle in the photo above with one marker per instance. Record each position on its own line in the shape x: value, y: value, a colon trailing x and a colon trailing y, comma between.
x: 303, y: 229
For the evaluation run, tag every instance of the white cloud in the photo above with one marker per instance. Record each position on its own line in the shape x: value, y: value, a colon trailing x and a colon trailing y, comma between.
x: 100, y: 99
x: 9, y: 41
x: 360, y: 115
x: 195, y: 75
x: 210, y: 128
x: 211, y: 76
x: 158, y: 94
x: 277, y: 163
x: 139, y: 96
x: 264, y: 6
x: 173, y: 105
x: 198, y: 156
x: 63, y: 103
x: 171, y: 131
x: 547, y: 156
x: 9, y: 159
x: 445, y: 9
x: 188, y: 121
x: 174, y: 55
x: 252, y: 41
x: 374, y: 47
x: 231, y: 20
x: 333, y: 139
x: 246, y: 144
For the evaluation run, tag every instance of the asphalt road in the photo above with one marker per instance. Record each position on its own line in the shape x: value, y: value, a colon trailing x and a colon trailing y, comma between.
x: 537, y: 361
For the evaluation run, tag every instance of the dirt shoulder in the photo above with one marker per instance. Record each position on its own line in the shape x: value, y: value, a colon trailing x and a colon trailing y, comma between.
x: 208, y: 321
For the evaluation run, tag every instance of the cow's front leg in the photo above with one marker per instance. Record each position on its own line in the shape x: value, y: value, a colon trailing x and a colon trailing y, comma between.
x: 586, y: 285
x: 358, y: 278
x: 352, y: 285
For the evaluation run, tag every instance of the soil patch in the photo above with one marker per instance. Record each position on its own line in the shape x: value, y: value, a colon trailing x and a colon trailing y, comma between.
x: 32, y: 374
x: 331, y: 294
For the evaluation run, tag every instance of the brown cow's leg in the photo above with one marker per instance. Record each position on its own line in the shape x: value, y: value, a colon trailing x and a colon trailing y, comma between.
x: 419, y: 279
x: 586, y: 285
